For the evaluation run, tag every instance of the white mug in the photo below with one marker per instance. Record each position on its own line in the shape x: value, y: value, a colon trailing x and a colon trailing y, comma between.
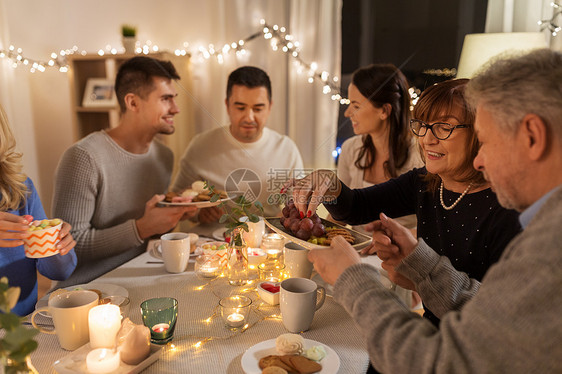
x: 256, y: 230
x: 298, y: 302
x: 174, y: 249
x: 70, y: 317
x: 296, y: 261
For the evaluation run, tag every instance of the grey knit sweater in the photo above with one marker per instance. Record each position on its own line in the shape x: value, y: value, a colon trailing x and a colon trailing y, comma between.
x: 510, y: 323
x: 101, y: 190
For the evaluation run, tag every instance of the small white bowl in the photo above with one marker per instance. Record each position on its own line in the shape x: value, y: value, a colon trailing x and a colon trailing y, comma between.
x: 272, y: 298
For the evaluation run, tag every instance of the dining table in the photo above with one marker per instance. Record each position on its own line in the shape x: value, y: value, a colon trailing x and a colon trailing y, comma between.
x: 201, y: 342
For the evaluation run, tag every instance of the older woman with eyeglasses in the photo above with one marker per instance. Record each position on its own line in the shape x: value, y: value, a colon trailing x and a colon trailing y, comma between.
x: 458, y: 213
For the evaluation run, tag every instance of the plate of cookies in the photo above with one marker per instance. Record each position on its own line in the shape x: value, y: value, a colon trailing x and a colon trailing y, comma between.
x: 197, y: 196
x: 319, y: 236
x: 290, y: 353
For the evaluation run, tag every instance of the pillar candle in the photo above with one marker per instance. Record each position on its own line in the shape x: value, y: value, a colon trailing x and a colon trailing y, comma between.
x: 104, y: 322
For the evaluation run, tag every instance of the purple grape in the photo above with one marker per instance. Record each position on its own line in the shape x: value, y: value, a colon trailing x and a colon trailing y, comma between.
x: 295, y: 226
x: 286, y: 210
x: 316, y: 219
x: 287, y: 223
x: 295, y: 213
x: 306, y: 224
x: 318, y: 230
x: 303, y: 234
x: 290, y: 203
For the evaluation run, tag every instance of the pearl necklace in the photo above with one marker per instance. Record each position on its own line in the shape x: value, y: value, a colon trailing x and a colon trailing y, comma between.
x: 456, y: 202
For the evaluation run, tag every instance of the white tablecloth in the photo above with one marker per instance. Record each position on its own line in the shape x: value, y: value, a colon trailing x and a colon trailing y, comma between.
x: 221, y: 354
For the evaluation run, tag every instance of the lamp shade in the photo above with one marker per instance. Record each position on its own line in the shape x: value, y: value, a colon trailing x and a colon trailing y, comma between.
x: 477, y: 49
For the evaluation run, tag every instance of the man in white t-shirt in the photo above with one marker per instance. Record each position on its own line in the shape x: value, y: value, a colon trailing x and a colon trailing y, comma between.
x: 245, y: 157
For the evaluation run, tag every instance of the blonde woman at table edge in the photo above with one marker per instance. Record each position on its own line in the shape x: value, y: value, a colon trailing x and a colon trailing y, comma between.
x: 19, y: 198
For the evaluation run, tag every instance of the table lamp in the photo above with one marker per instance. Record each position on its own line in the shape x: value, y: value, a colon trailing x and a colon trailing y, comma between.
x: 477, y: 49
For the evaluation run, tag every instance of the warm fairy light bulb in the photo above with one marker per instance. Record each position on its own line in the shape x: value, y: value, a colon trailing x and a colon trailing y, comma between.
x: 177, y: 52
x: 275, y: 27
x: 295, y: 54
x: 11, y: 48
x: 20, y: 50
x: 313, y: 66
x: 282, y: 29
x: 326, y: 90
x: 220, y: 59
x: 285, y: 49
x: 113, y: 51
x: 198, y: 344
x: 324, y: 76
x: 100, y: 52
x: 155, y: 48
x: 240, y: 42
x: 262, y: 21
x: 310, y: 80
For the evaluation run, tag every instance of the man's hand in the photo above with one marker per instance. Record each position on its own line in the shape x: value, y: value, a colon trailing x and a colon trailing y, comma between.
x: 159, y: 220
x: 392, y: 241
x: 67, y: 242
x: 209, y: 215
x: 331, y: 263
x: 398, y: 278
x: 13, y: 229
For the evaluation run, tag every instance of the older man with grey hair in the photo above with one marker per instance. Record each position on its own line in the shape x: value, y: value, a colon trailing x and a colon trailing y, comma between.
x: 512, y: 322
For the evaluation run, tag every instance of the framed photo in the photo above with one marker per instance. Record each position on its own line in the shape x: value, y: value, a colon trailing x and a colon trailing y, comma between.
x: 99, y: 93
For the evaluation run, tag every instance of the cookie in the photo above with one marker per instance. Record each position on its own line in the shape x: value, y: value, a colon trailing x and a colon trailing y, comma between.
x: 169, y: 196
x: 274, y: 370
x: 304, y: 365
x: 273, y: 360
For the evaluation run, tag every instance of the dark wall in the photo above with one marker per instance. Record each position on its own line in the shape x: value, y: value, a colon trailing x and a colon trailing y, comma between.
x: 415, y: 35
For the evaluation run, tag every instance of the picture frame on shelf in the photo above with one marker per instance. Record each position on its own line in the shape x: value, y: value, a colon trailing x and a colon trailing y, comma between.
x: 99, y: 92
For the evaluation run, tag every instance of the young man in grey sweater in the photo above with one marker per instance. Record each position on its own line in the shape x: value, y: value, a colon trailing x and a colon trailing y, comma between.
x: 512, y: 321
x: 108, y: 184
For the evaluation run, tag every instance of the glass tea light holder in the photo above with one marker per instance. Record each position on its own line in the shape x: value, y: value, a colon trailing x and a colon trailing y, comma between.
x: 235, y: 311
x: 208, y: 266
x: 273, y: 244
x: 271, y: 271
x: 160, y: 316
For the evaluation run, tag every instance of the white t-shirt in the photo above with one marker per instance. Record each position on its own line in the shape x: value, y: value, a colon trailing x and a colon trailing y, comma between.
x: 257, y: 169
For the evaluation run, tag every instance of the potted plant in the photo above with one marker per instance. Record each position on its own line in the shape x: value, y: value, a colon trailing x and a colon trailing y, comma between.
x: 129, y: 38
x: 17, y: 342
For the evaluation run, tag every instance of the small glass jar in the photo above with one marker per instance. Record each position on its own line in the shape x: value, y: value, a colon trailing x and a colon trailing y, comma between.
x: 273, y: 245
x: 237, y: 264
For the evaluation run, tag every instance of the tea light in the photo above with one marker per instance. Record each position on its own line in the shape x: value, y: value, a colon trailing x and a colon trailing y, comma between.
x: 159, y: 330
x: 236, y: 320
x: 104, y: 322
x: 102, y: 360
x: 235, y: 310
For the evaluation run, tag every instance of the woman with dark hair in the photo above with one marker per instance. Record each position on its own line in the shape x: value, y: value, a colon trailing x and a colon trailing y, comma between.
x: 458, y: 214
x: 379, y: 112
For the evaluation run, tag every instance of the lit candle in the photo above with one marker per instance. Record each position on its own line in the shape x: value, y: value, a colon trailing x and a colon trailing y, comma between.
x: 209, y: 271
x: 235, y: 320
x: 104, y: 322
x: 160, y: 331
x: 102, y: 360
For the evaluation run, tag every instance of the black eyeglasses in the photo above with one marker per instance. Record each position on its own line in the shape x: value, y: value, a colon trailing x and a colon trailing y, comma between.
x: 441, y: 130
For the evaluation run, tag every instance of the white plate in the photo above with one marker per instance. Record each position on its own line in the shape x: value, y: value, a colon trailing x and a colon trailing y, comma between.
x: 106, y: 290
x: 250, y: 359
x: 197, y: 204
x: 75, y: 362
x: 274, y: 223
x: 218, y: 234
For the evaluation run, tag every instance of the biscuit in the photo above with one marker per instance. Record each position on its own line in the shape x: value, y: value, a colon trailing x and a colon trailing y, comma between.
x: 273, y: 360
x: 274, y: 370
x: 169, y: 196
x: 304, y: 365
x: 202, y: 197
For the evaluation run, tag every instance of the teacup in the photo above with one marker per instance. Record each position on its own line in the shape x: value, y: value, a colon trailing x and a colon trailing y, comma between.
x: 296, y: 261
x: 174, y: 249
x: 299, y: 302
x: 69, y: 311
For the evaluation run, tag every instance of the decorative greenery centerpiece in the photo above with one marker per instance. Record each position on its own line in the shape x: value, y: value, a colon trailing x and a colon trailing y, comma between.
x: 17, y: 343
x: 242, y: 208
x: 237, y: 257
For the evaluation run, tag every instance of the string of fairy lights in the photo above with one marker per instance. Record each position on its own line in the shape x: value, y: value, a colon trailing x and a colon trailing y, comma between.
x: 278, y: 37
x: 551, y: 24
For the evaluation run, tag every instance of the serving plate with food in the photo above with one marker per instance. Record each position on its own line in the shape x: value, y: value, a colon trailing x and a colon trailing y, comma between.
x: 291, y: 353
x: 198, y: 196
x: 313, y: 232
